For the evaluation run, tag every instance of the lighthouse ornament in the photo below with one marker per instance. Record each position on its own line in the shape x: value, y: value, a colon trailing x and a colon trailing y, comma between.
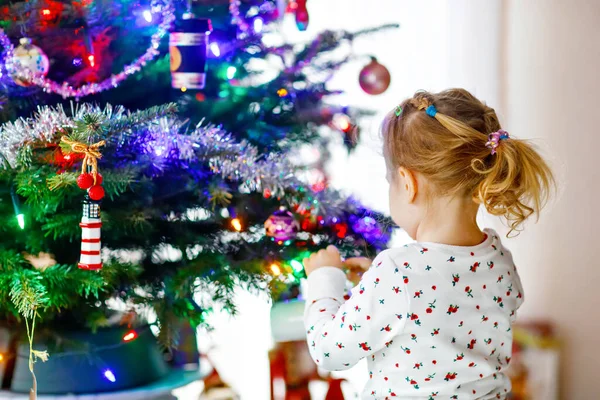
x: 91, y: 223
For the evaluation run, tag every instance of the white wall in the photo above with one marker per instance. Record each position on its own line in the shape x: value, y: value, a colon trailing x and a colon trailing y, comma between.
x: 552, y: 58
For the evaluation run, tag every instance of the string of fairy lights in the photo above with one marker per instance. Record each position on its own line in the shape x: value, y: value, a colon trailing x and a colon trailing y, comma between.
x: 23, y: 73
x: 93, y: 353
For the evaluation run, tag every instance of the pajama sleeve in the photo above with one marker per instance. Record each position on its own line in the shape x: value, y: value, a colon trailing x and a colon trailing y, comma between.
x: 339, y: 333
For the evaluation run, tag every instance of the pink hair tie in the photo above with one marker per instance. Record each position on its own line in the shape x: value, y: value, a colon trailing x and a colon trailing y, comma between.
x: 494, y: 139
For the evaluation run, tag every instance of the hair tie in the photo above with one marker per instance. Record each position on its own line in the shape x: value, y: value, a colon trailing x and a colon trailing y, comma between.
x: 494, y: 139
x: 431, y: 111
x: 398, y: 110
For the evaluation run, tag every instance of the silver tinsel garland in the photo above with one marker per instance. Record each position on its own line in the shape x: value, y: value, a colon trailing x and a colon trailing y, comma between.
x: 232, y: 159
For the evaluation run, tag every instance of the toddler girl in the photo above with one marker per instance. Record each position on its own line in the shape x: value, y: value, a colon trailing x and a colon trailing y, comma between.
x: 434, y: 317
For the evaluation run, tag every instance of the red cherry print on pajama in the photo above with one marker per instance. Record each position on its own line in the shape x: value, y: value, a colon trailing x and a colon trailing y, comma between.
x: 477, y: 306
x: 485, y: 286
x: 429, y: 310
x: 472, y: 254
x: 397, y: 365
x: 434, y: 287
x: 368, y: 317
x: 434, y: 362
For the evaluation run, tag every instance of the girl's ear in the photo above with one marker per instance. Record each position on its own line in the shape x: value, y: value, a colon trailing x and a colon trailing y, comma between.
x: 408, y: 180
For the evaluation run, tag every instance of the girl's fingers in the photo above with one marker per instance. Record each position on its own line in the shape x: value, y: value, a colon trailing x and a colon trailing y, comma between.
x: 331, y: 248
x: 358, y: 262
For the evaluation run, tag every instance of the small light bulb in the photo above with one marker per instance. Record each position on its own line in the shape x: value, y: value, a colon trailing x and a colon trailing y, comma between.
x: 92, y: 60
x: 147, y: 15
x: 45, y: 11
x: 108, y: 374
x: 214, y: 47
x: 282, y: 92
x: 129, y: 336
x: 231, y: 72
x: 1, y: 357
x: 236, y: 224
x: 21, y: 220
x: 184, y: 89
x: 275, y: 269
x: 258, y: 25
x: 297, y: 265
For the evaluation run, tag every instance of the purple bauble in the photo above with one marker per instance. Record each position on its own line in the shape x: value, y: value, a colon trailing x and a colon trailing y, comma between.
x: 281, y: 225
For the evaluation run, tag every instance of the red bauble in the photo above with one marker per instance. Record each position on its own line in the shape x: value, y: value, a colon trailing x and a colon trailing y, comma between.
x: 374, y: 78
x: 96, y: 192
x: 99, y: 179
x: 85, y: 181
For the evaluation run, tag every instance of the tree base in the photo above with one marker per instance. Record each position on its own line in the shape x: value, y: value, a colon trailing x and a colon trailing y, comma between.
x: 111, y: 360
x: 159, y: 390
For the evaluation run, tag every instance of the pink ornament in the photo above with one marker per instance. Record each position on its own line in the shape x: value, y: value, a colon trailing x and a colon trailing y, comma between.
x: 281, y: 225
x: 374, y: 78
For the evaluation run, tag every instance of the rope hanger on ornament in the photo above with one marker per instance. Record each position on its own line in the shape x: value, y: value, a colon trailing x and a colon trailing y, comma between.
x: 91, y: 155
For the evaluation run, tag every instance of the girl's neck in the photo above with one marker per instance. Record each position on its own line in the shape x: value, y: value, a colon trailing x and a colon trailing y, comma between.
x: 451, y: 221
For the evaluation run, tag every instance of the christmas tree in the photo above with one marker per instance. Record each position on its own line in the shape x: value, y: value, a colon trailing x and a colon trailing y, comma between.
x: 200, y: 193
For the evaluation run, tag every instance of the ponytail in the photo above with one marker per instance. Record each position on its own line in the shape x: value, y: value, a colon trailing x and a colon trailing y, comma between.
x: 517, y: 185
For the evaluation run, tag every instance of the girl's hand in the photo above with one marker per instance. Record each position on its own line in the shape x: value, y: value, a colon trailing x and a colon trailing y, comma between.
x: 329, y: 257
x: 356, y: 267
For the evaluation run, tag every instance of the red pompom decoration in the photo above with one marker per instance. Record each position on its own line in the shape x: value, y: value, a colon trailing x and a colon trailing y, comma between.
x: 85, y: 181
x: 96, y: 193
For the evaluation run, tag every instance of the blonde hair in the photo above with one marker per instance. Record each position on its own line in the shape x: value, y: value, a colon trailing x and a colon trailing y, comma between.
x: 450, y: 150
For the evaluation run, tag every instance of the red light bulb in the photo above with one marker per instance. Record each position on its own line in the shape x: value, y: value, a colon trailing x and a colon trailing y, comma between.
x: 129, y: 336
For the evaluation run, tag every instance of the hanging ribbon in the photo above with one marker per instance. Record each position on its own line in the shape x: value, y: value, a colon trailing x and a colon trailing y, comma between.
x: 91, y: 154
